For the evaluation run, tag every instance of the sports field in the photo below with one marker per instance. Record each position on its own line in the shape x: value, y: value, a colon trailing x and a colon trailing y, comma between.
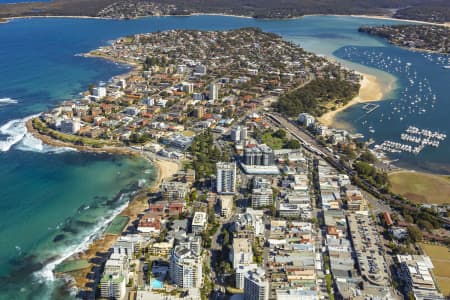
x: 421, y: 187
x: 440, y: 256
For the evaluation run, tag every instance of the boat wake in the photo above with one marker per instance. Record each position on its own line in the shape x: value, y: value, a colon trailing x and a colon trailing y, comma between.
x: 6, y: 101
x: 15, y: 135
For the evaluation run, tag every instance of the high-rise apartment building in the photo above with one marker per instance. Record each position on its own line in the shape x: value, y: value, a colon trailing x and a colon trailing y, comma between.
x: 226, y: 178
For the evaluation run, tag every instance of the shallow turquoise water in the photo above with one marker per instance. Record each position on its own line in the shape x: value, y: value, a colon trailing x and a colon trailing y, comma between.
x: 51, y: 204
x: 40, y: 190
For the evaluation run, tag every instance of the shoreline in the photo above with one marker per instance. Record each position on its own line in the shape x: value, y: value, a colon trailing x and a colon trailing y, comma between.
x: 165, y: 169
x: 99, y: 246
x: 133, y: 66
x: 379, y: 17
x: 8, y: 19
x: 370, y: 85
x: 446, y: 24
x: 371, y: 90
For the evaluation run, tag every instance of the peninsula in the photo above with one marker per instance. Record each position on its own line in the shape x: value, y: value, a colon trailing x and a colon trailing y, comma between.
x: 244, y: 191
x: 416, y: 37
x: 178, y: 79
x: 182, y: 84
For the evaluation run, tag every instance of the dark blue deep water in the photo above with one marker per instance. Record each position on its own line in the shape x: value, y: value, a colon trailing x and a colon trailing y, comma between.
x: 44, y: 193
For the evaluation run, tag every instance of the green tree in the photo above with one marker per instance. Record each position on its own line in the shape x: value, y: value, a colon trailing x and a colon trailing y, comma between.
x: 292, y: 144
x: 408, y: 218
x: 226, y: 237
x: 424, y: 224
x: 367, y: 156
x: 415, y: 234
x: 280, y: 133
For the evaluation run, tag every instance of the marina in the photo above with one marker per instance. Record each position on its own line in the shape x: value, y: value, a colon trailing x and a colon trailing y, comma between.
x: 59, y: 74
x: 420, y: 138
x: 417, y: 96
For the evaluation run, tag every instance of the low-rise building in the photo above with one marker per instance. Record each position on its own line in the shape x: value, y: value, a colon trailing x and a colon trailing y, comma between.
x: 416, y: 274
x: 226, y: 205
x: 174, y: 190
x: 150, y: 223
x: 262, y: 197
x: 355, y: 200
x: 297, y: 294
x: 306, y: 119
x: 199, y: 222
x: 241, y: 252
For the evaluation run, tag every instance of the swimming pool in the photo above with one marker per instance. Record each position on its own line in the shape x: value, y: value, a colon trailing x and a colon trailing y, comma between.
x: 156, y: 284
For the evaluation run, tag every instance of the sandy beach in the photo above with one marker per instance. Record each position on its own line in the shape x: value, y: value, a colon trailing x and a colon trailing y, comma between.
x: 6, y: 20
x: 165, y: 170
x: 80, y: 278
x: 218, y: 14
x: 401, y: 20
x: 371, y: 90
x: 447, y: 24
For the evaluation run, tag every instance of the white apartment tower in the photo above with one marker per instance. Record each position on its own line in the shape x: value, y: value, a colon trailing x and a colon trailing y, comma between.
x: 115, y: 277
x: 226, y: 178
x: 256, y: 286
x: 213, y: 91
x: 185, y: 268
x: 238, y: 134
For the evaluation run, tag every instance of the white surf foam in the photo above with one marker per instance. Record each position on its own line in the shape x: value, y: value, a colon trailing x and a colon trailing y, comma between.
x: 15, y: 131
x: 30, y: 143
x: 46, y: 273
x: 8, y: 101
x: 17, y: 135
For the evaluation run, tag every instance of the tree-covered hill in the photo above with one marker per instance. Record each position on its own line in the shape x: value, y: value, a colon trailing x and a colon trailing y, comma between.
x: 317, y: 97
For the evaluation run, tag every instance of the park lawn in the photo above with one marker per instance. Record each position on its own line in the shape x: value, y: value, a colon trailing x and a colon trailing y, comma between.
x: 420, y: 187
x: 440, y: 256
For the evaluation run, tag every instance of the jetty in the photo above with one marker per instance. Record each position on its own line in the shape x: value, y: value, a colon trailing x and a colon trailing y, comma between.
x: 370, y: 107
x: 417, y: 139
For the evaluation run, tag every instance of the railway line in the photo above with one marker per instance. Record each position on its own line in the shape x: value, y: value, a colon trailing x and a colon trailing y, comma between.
x: 310, y: 144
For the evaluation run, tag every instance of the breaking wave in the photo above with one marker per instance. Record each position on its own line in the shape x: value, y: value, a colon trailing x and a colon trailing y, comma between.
x: 15, y: 135
x: 46, y: 273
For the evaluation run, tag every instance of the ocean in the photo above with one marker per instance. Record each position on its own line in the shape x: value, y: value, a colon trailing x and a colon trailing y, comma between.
x: 47, y: 192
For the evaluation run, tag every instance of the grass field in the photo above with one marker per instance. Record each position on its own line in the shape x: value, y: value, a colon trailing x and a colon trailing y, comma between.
x: 440, y: 255
x: 421, y: 187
